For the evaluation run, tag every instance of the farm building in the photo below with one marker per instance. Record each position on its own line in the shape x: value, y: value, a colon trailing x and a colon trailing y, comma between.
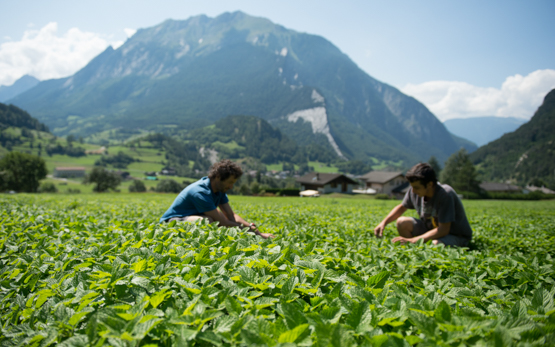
x: 494, y: 187
x: 67, y: 172
x: 327, y: 182
x: 384, y: 182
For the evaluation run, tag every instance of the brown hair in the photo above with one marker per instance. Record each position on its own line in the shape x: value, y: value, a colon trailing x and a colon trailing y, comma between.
x: 223, y: 169
x: 422, y: 172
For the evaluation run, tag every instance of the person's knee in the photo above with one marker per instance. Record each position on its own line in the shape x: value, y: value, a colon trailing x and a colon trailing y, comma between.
x: 404, y: 224
x: 436, y: 242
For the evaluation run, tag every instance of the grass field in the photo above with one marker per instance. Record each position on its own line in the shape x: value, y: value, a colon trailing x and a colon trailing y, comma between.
x: 97, y: 269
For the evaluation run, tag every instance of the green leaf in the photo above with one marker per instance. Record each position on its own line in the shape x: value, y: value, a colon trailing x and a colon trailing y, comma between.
x: 76, y: 318
x: 378, y: 281
x: 293, y: 316
x: 139, y: 266
x: 233, y: 307
x: 159, y: 297
x: 289, y: 285
x: 442, y: 313
x: 292, y: 335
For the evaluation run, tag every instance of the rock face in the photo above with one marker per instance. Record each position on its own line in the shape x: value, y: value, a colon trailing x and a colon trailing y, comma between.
x: 191, y: 73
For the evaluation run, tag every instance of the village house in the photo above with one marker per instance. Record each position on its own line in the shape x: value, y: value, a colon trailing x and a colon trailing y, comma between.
x: 383, y: 182
x: 327, y: 182
x: 494, y: 187
x: 69, y: 172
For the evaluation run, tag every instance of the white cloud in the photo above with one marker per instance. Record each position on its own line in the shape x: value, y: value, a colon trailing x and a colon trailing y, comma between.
x: 129, y: 32
x: 44, y: 54
x: 519, y: 96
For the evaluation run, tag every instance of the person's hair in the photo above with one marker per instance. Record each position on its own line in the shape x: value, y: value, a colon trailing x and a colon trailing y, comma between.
x: 223, y: 169
x: 422, y: 172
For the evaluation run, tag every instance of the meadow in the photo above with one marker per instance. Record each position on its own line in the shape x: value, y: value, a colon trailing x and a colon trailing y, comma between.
x: 97, y: 269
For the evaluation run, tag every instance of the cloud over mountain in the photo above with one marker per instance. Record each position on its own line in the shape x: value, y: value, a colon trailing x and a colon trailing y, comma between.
x: 46, y: 54
x: 519, y: 96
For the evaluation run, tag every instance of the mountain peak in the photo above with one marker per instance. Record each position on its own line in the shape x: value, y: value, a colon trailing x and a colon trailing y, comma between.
x: 185, y: 72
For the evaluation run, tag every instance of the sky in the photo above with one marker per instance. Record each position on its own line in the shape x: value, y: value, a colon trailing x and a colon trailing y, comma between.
x: 461, y: 59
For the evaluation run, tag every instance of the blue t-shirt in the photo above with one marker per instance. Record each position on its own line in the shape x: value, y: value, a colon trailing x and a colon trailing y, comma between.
x: 195, y: 199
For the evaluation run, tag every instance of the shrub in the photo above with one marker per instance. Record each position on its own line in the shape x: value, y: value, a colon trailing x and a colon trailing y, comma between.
x: 168, y: 186
x: 137, y: 186
x: 104, y: 179
x: 48, y: 187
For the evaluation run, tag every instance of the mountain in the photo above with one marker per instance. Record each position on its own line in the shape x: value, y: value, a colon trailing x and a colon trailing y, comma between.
x: 13, y: 116
x: 21, y: 85
x: 527, y: 153
x: 464, y: 143
x: 188, y: 74
x: 482, y: 130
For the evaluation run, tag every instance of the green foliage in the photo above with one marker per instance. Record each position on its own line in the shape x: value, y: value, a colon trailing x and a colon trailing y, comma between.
x: 435, y: 165
x: 21, y: 172
x: 137, y: 186
x: 168, y: 186
x: 524, y: 154
x: 69, y: 150
x: 104, y: 180
x: 48, y: 187
x: 119, y: 161
x: 248, y: 136
x: 100, y: 270
x: 13, y: 116
x: 179, y: 154
x: 283, y: 191
x: 459, y: 173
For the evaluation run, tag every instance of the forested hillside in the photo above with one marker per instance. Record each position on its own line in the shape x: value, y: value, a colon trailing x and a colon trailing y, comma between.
x: 526, y: 154
x: 13, y: 116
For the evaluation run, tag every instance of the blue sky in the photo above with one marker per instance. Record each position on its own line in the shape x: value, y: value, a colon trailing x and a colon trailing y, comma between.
x: 461, y: 59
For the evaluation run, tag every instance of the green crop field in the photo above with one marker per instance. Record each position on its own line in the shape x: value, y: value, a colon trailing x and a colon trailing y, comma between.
x: 97, y: 269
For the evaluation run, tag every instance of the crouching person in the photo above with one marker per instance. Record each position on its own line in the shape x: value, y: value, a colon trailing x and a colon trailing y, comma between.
x: 442, y: 216
x: 202, y: 199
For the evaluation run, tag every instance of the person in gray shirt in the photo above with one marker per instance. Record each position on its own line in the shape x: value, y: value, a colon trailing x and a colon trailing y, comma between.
x: 442, y: 216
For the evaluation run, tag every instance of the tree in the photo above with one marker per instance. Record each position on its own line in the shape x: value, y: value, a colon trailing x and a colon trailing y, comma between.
x: 459, y: 173
x: 168, y: 186
x: 137, y: 186
x: 104, y: 179
x: 48, y: 187
x: 435, y: 165
x: 21, y: 172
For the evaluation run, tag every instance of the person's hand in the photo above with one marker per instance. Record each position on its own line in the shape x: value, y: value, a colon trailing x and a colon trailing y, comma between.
x: 378, y: 231
x: 403, y: 240
x: 266, y: 235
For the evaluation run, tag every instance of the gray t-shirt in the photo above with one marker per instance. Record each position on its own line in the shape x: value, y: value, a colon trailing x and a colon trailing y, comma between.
x: 444, y: 207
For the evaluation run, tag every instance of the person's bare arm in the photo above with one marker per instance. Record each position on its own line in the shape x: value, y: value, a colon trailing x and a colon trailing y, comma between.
x: 434, y: 234
x: 222, y: 219
x: 226, y: 209
x: 395, y: 213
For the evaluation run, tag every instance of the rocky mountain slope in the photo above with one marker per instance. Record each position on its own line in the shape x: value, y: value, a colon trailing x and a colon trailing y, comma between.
x: 188, y: 74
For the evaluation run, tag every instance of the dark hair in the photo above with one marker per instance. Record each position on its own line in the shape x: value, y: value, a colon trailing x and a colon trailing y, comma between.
x: 422, y: 172
x: 223, y: 169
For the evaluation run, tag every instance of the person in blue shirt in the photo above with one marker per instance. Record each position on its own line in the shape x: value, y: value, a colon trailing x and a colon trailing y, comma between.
x: 202, y: 199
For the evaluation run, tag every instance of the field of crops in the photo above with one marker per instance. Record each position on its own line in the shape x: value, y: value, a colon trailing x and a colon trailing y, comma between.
x: 98, y: 270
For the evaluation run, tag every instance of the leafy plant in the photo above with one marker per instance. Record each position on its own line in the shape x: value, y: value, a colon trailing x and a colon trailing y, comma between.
x: 99, y: 270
